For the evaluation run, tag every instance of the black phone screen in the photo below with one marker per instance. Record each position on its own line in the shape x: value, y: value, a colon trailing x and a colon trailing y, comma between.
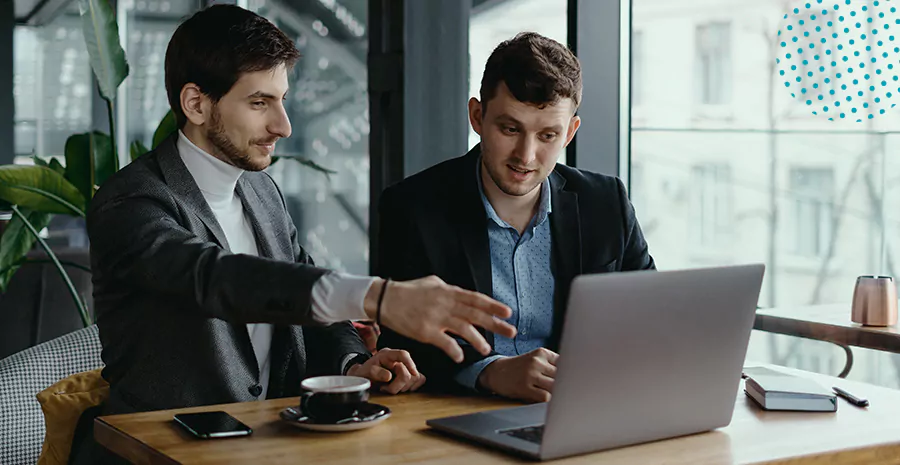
x: 212, y: 424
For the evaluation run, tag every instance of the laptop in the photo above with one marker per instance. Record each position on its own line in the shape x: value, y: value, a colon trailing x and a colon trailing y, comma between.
x: 644, y: 356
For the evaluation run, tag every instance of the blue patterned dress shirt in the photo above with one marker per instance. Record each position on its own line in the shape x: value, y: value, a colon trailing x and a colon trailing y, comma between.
x: 521, y: 278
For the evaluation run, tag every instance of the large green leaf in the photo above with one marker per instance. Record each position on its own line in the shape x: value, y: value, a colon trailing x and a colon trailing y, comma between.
x: 137, y: 149
x: 79, y: 164
x: 101, y: 35
x: 90, y: 161
x: 16, y: 241
x: 54, y: 164
x: 40, y: 188
x: 166, y: 127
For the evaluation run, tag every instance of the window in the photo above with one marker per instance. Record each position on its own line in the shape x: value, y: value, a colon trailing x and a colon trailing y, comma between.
x: 810, y: 198
x: 713, y: 48
x: 711, y: 203
x: 637, y: 68
x: 51, y: 84
x: 147, y: 28
x: 328, y: 106
x: 636, y: 180
x: 812, y: 193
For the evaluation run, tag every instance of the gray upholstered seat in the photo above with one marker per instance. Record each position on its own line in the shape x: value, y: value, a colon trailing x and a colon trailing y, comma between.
x: 24, y: 374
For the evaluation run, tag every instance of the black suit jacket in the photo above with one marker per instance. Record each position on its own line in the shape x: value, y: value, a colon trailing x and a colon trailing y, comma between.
x: 435, y: 223
x: 172, y: 302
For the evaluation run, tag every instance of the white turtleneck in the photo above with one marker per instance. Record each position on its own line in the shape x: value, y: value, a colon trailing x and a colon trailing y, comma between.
x: 335, y: 297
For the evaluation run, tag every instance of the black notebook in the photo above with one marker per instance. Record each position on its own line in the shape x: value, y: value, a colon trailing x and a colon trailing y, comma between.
x: 774, y: 390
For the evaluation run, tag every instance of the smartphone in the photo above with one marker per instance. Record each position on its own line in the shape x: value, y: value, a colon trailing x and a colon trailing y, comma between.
x: 209, y: 425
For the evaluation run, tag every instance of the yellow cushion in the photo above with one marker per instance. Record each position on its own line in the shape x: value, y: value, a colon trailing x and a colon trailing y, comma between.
x: 63, y: 403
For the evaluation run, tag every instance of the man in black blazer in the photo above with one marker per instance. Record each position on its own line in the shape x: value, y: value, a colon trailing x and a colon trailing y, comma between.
x: 203, y: 293
x: 508, y: 221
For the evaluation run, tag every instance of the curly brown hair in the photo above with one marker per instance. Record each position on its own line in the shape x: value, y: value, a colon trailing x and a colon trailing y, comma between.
x: 536, y: 69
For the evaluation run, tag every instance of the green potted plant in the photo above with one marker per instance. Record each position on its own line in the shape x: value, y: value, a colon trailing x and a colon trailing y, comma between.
x: 34, y: 193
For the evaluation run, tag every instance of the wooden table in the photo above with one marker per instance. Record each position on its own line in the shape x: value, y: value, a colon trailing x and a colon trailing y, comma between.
x: 851, y: 435
x: 830, y: 323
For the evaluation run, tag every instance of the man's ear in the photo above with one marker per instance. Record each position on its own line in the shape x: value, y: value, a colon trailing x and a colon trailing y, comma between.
x: 574, y: 124
x: 194, y: 104
x: 476, y: 115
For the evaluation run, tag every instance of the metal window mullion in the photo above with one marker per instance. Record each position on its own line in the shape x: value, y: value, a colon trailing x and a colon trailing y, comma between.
x: 602, y: 144
x: 385, y: 86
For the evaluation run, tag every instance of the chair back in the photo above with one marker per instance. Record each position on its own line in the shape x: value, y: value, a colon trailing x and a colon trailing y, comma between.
x: 26, y: 373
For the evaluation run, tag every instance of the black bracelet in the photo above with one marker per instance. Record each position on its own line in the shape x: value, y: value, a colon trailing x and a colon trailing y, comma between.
x: 381, y: 299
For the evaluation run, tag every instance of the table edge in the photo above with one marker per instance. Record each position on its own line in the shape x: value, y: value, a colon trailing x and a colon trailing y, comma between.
x: 789, y: 326
x: 106, y: 431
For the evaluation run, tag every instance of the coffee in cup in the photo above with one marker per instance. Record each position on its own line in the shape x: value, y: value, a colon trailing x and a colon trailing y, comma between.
x: 329, y: 399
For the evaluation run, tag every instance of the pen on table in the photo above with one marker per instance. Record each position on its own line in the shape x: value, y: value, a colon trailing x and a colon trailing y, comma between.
x: 850, y: 397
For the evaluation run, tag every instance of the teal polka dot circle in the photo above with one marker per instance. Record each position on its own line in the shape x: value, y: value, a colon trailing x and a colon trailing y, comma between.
x: 837, y: 57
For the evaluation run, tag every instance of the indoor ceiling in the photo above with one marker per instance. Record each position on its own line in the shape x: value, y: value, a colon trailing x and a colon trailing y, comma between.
x: 38, y: 12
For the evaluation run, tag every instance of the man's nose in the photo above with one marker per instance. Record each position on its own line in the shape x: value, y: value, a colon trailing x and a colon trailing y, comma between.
x: 280, y: 124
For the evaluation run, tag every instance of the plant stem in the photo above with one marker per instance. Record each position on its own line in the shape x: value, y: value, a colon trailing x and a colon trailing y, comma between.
x: 82, y: 310
x: 112, y: 133
x: 44, y: 262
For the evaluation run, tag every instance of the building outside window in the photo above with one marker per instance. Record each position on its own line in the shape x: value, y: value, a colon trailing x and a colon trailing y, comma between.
x: 713, y: 51
x: 711, y: 204
x: 812, y: 197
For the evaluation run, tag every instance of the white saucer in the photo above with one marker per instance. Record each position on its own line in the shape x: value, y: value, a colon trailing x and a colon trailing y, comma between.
x: 372, y: 415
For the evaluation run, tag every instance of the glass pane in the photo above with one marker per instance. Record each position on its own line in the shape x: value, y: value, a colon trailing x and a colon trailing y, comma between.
x: 328, y: 105
x: 493, y: 22
x: 51, y: 85
x: 148, y: 26
x: 731, y: 168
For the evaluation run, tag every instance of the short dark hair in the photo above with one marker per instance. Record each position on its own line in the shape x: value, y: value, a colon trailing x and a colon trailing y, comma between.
x: 536, y: 69
x: 218, y: 44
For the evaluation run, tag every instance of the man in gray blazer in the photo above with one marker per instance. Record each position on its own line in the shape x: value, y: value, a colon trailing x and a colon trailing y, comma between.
x: 203, y: 293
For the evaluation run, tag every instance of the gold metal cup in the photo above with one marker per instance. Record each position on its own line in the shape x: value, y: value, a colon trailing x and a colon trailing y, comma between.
x: 875, y: 301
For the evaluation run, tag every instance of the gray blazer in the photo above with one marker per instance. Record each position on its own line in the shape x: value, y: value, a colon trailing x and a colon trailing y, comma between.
x: 172, y: 302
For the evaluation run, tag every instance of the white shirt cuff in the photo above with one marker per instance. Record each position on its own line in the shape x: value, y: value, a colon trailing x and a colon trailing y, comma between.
x: 339, y: 297
x: 345, y: 361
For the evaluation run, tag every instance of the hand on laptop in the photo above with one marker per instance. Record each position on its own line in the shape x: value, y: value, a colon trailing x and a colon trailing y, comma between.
x: 394, y: 367
x: 527, y: 377
x: 426, y: 309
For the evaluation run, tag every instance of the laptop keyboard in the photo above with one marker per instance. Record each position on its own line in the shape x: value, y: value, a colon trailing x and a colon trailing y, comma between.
x: 528, y: 433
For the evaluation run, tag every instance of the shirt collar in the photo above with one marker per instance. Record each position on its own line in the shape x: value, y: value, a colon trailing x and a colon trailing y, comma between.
x: 213, y: 176
x: 545, y: 207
